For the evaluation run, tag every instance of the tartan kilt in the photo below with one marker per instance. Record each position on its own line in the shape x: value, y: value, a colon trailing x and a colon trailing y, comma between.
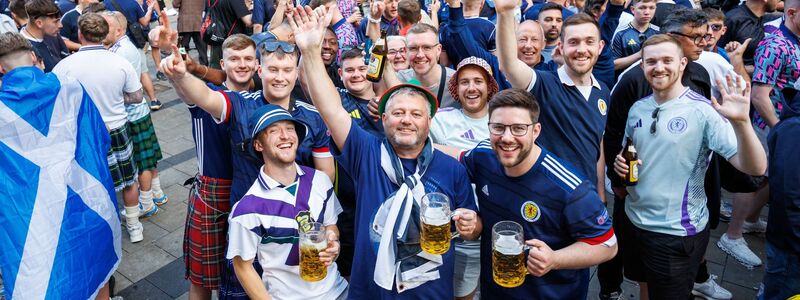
x: 146, y: 150
x: 205, y: 236
x: 120, y: 159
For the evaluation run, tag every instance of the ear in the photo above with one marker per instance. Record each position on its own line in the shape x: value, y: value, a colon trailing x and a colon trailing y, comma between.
x: 602, y: 45
x: 537, y: 129
x: 339, y: 71
x: 257, y: 145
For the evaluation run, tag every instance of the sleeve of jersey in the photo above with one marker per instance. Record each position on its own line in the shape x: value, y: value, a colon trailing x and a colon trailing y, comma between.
x: 355, y: 150
x: 468, y: 158
x: 242, y: 241
x: 465, y: 194
x: 767, y: 62
x: 588, y: 219
x: 720, y: 134
x: 332, y: 206
x: 616, y: 45
x: 322, y: 141
x: 225, y: 115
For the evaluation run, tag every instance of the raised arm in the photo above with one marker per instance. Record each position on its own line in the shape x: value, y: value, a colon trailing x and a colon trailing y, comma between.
x: 195, y: 91
x: 309, y: 29
x: 516, y: 71
x: 750, y: 157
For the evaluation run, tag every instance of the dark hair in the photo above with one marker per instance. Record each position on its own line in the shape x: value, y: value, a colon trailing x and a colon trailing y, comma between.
x: 409, y: 11
x: 316, y: 3
x: 578, y: 19
x: 17, y: 7
x: 593, y: 7
x: 551, y: 6
x: 351, y: 53
x: 42, y: 8
x: 714, y: 14
x: 683, y: 17
x: 238, y: 42
x: 97, y: 7
x: 661, y: 39
x: 422, y: 28
x: 640, y: 1
x: 516, y: 98
x: 93, y: 27
x: 11, y: 43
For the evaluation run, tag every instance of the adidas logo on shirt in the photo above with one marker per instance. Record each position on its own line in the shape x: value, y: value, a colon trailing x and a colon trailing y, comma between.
x: 355, y: 114
x: 638, y: 124
x: 468, y: 135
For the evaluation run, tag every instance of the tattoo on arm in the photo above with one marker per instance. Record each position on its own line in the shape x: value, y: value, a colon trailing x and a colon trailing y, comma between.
x: 134, y: 97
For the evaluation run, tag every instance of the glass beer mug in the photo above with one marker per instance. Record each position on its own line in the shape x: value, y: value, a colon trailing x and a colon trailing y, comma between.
x: 312, y: 242
x: 435, y: 219
x: 508, y: 258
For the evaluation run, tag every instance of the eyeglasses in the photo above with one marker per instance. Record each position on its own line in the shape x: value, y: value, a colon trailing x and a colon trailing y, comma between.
x: 425, y: 48
x: 655, y: 120
x: 516, y: 129
x: 696, y: 39
x: 394, y: 52
x: 273, y: 45
x: 715, y: 27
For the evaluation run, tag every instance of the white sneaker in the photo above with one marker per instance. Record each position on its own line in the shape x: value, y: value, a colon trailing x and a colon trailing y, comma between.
x: 711, y: 290
x: 739, y: 250
x: 758, y: 226
x: 171, y: 11
x: 136, y: 232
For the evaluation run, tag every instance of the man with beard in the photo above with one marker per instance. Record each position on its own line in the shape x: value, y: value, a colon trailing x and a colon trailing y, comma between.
x: 530, y: 39
x: 667, y: 233
x: 391, y: 172
x: 472, y: 85
x: 550, y: 16
x: 204, y: 241
x: 278, y: 74
x: 282, y: 203
x: 423, y: 54
x: 564, y: 222
x: 574, y: 103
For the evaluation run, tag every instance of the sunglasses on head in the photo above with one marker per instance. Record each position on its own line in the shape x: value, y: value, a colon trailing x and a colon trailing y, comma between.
x: 272, y: 46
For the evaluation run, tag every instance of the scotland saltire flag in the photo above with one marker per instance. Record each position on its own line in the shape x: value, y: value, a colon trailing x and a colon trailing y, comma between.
x: 59, y: 234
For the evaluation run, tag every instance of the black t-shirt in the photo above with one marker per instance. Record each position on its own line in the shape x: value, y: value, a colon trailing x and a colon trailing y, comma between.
x: 742, y: 24
x: 663, y: 10
x: 231, y: 13
x: 51, y: 49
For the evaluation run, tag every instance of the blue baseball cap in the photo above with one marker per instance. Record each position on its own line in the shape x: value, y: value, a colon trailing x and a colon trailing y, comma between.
x: 267, y: 115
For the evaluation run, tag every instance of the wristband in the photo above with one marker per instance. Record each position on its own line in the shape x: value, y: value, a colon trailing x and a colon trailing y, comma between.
x: 374, y: 21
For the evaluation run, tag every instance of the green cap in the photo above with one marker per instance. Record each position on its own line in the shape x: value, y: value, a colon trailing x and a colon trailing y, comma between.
x: 414, y: 84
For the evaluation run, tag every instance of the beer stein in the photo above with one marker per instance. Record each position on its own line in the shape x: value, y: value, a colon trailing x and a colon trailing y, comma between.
x: 312, y: 242
x: 508, y: 258
x: 435, y: 217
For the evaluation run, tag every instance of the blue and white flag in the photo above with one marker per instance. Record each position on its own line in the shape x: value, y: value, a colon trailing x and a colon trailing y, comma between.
x: 59, y: 233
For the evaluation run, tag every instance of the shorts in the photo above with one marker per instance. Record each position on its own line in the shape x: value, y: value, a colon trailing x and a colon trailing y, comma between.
x: 668, y: 263
x: 205, y: 236
x: 120, y: 159
x: 467, y: 267
x: 146, y: 150
x: 144, y: 61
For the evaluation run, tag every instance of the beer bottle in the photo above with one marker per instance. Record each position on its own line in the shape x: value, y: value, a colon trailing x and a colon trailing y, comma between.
x: 377, y: 60
x: 632, y: 160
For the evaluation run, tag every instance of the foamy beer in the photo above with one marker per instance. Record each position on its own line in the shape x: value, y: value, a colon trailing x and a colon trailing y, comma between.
x: 435, y: 216
x: 312, y: 242
x: 508, y: 258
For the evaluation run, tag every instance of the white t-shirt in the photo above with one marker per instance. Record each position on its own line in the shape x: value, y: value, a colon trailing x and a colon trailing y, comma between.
x: 451, y: 127
x: 717, y: 67
x: 447, y: 100
x: 105, y: 76
x: 126, y: 49
x: 263, y: 223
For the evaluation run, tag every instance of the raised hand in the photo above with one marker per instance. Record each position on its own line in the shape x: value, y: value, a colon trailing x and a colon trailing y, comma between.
x: 735, y: 98
x: 173, y: 66
x: 166, y: 37
x: 434, y: 7
x: 309, y: 28
x: 502, y: 6
x: 376, y: 9
x: 355, y: 18
x: 735, y: 49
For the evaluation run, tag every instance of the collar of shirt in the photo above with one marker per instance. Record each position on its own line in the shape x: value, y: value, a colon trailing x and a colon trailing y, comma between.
x: 91, y: 47
x: 564, y: 77
x: 118, y: 44
x: 665, y: 1
x: 268, y: 183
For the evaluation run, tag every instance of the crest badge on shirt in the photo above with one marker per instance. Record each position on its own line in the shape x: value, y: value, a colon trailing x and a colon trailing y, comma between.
x: 304, y: 220
x: 530, y: 211
x: 602, y: 106
x: 677, y: 125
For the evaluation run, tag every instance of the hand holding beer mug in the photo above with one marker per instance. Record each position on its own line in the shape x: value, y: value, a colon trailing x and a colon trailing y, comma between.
x: 540, y: 258
x: 435, y: 219
x: 312, y: 243
x: 508, y: 259
x: 329, y: 255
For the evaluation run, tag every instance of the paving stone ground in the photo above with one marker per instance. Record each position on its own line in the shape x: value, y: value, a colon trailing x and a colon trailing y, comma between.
x: 154, y: 269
